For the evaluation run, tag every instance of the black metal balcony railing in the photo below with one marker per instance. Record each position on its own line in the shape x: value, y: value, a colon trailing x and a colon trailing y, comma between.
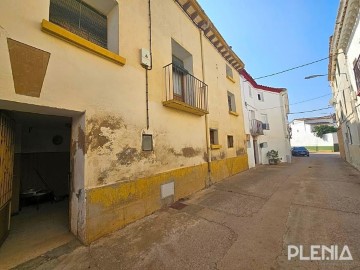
x: 256, y: 127
x: 181, y: 86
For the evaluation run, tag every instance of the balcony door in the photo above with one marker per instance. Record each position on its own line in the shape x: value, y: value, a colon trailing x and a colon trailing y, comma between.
x: 179, y: 78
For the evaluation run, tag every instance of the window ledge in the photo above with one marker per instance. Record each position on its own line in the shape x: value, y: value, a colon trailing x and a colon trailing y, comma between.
x: 233, y: 113
x: 215, y: 146
x: 230, y: 78
x: 66, y: 35
x: 179, y: 105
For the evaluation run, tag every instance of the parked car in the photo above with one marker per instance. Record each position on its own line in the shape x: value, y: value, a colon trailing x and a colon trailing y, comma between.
x: 300, y: 151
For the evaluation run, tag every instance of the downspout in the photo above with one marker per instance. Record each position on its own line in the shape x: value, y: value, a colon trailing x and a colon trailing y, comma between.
x: 207, y: 131
x: 147, y: 68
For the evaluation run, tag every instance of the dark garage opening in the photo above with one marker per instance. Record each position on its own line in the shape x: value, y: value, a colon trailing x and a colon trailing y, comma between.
x: 40, y: 187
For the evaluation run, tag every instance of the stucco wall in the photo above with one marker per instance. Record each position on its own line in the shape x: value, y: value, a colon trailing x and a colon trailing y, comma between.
x: 302, y: 135
x: 109, y: 103
x: 273, y: 107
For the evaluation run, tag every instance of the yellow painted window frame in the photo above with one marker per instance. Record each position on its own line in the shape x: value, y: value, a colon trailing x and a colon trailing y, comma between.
x: 72, y: 38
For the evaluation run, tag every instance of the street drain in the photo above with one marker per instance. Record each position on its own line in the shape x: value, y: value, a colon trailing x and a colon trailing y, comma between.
x: 178, y: 205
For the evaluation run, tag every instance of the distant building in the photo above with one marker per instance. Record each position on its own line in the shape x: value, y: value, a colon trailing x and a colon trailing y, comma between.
x: 266, y: 125
x: 303, y: 134
x: 344, y: 78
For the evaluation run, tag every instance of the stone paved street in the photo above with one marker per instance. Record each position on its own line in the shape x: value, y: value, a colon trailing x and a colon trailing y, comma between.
x: 244, y: 222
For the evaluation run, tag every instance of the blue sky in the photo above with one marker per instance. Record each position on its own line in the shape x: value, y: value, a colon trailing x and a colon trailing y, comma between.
x: 271, y: 36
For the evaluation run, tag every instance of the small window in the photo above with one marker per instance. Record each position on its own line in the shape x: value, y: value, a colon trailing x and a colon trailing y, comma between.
x: 348, y: 135
x: 338, y: 66
x: 261, y: 96
x: 147, y: 142
x: 231, y: 102
x: 357, y: 73
x: 214, y: 136
x: 229, y: 72
x: 230, y: 140
x: 80, y: 19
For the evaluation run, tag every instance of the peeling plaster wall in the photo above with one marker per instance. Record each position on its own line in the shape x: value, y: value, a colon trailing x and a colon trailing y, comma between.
x: 219, y: 117
x: 106, y: 139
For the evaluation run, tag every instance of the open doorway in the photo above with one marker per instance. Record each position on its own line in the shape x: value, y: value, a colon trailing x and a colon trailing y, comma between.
x: 40, y: 187
x: 256, y: 152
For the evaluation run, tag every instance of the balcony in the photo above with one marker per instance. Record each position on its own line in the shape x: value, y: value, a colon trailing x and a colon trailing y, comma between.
x: 256, y: 127
x: 184, y: 91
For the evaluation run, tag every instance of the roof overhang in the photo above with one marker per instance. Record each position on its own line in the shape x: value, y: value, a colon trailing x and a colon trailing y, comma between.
x: 250, y: 79
x: 344, y: 27
x: 203, y: 22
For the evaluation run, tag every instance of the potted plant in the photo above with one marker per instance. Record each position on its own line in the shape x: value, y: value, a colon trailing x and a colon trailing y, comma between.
x: 273, y: 157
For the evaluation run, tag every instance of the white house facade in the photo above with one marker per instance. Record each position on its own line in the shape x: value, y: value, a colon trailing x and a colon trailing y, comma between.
x: 302, y: 130
x: 344, y: 77
x: 266, y: 125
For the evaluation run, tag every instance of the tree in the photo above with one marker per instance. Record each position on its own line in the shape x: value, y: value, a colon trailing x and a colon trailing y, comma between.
x: 321, y: 130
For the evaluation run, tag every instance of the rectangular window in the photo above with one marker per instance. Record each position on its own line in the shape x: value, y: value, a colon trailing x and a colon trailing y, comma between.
x: 264, y: 120
x: 214, y: 139
x: 229, y: 72
x: 357, y: 73
x: 338, y: 66
x: 344, y: 100
x: 336, y: 83
x: 80, y: 19
x: 260, y: 96
x: 230, y: 141
x: 231, y: 102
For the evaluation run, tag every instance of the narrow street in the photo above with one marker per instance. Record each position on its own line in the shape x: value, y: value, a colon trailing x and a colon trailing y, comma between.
x: 244, y: 222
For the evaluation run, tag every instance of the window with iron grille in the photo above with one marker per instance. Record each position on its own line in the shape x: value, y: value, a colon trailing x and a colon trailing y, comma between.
x: 80, y: 19
x: 357, y: 73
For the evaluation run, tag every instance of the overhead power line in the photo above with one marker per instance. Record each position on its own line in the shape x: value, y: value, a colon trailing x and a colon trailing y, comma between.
x: 290, y: 69
x: 306, y: 100
x: 312, y: 110
x: 310, y: 99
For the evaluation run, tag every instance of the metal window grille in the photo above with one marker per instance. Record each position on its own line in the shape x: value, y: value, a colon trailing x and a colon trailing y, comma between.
x: 80, y: 19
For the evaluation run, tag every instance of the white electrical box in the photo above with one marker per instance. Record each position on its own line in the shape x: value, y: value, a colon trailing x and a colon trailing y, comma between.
x: 145, y: 57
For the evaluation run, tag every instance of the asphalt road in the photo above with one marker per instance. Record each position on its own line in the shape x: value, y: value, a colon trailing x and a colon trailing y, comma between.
x: 245, y: 222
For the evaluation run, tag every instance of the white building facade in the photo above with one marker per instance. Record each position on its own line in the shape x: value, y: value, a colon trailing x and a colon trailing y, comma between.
x: 266, y: 125
x: 302, y: 134
x: 344, y: 77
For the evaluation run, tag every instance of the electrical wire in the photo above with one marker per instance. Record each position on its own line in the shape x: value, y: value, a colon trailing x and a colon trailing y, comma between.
x: 321, y: 109
x: 300, y: 66
x: 306, y: 100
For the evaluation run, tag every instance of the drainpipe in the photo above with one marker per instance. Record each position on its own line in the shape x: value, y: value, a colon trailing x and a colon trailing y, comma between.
x: 147, y: 68
x: 208, y: 148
